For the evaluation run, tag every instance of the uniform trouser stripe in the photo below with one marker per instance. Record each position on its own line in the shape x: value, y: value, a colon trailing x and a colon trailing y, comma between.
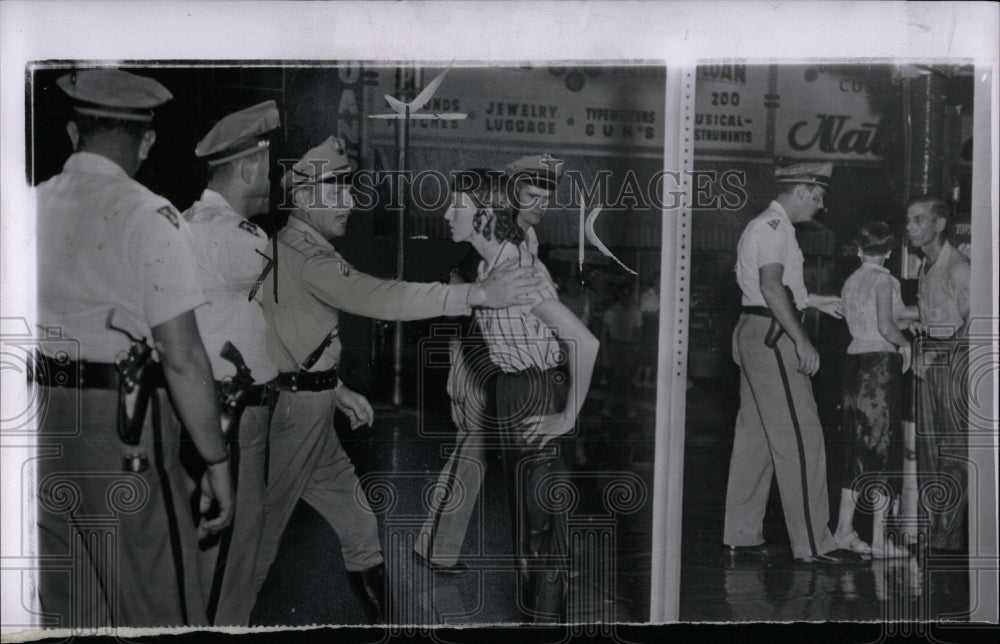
x: 801, y: 447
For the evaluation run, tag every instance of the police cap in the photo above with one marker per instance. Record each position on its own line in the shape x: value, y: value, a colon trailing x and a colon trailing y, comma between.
x: 324, y: 163
x: 809, y: 173
x: 540, y: 170
x: 114, y: 94
x: 239, y: 134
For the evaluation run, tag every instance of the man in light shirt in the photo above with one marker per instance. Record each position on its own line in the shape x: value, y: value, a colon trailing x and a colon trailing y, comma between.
x: 943, y: 374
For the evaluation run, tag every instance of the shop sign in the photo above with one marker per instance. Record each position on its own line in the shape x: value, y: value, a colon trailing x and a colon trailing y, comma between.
x: 830, y: 112
x: 545, y: 107
x: 731, y: 104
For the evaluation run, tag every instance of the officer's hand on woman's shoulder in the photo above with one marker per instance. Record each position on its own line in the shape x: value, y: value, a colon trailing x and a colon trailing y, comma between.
x: 507, y: 285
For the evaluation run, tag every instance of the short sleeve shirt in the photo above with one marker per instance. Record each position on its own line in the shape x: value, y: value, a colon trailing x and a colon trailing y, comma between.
x: 942, y: 292
x: 861, y: 310
x: 228, y: 249
x: 518, y: 339
x: 105, y: 243
x: 769, y: 238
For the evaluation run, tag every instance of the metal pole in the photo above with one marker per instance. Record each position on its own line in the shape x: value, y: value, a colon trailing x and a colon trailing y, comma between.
x: 402, y: 144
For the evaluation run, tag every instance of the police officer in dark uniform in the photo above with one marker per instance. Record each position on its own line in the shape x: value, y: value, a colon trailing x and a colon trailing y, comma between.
x: 303, y: 296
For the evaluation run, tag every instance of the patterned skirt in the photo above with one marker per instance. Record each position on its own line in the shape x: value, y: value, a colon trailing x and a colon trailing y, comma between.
x: 872, y: 427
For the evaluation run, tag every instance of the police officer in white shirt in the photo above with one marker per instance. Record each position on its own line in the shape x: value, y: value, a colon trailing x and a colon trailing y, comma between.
x: 536, y: 177
x: 229, y: 249
x: 303, y: 294
x: 778, y: 429
x: 115, y: 261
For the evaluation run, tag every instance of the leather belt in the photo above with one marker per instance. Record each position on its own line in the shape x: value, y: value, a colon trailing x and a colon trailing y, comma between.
x: 307, y: 380
x: 83, y: 374
x: 760, y: 311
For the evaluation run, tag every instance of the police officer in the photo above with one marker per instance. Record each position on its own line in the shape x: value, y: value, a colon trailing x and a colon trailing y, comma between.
x: 302, y: 297
x: 778, y: 429
x: 228, y: 248
x: 943, y: 373
x: 536, y: 177
x: 113, y: 254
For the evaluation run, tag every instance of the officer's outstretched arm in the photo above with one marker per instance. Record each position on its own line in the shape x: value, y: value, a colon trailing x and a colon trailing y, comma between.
x: 188, y: 373
x: 333, y: 282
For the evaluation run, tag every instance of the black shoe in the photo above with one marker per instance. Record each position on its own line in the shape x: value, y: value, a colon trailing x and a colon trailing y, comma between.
x: 457, y: 569
x: 761, y: 550
x: 370, y: 588
x: 833, y: 558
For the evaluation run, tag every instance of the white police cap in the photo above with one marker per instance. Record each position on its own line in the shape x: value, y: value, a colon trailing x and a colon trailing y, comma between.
x: 239, y: 134
x: 113, y: 93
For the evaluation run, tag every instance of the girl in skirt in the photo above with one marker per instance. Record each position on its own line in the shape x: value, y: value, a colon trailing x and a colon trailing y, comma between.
x: 877, y: 357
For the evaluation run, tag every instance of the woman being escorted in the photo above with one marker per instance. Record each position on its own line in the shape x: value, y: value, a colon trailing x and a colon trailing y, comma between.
x: 877, y: 357
x: 535, y: 404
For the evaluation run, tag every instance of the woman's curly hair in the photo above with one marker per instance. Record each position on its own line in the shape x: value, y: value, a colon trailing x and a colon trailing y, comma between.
x: 494, y: 196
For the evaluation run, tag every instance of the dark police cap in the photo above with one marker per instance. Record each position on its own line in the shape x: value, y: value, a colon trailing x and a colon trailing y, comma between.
x: 326, y: 162
x: 239, y: 134
x: 113, y: 93
x: 540, y: 170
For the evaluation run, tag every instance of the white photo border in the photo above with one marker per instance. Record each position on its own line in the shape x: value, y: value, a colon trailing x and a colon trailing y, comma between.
x: 677, y: 34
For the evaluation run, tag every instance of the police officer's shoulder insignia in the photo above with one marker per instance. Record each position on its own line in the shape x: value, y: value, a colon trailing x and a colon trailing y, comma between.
x: 774, y: 223
x: 250, y: 227
x: 170, y: 214
x: 345, y: 268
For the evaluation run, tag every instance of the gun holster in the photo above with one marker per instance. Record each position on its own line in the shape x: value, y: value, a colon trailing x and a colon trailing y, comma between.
x: 231, y: 404
x: 774, y: 333
x: 137, y: 383
x: 232, y: 391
